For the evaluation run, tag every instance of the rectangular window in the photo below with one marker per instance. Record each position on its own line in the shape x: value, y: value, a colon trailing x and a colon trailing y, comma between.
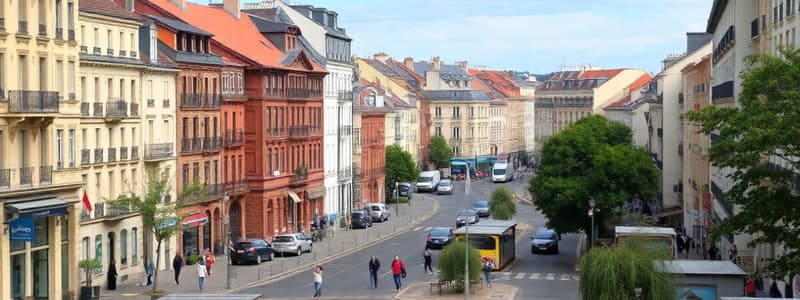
x: 98, y: 247
x: 240, y: 83
x: 123, y: 248
x: 185, y: 174
x: 70, y: 20
x: 134, y: 246
x: 42, y: 229
x: 59, y: 150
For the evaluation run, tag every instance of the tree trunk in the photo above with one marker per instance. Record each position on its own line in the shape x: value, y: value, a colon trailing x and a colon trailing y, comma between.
x: 155, y: 269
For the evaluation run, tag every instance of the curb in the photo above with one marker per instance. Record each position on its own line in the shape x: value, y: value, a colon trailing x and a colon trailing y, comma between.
x: 304, y: 268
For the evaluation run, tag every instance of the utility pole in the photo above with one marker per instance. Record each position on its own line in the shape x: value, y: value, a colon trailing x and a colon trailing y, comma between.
x: 466, y: 238
x: 226, y: 229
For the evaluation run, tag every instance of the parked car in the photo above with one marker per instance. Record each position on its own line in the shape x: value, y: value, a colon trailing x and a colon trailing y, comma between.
x: 481, y: 208
x: 466, y: 216
x: 378, y: 212
x: 544, y: 240
x: 445, y: 187
x: 428, y: 181
x: 405, y: 189
x: 439, y: 237
x: 295, y: 243
x: 251, y: 250
x: 360, y: 219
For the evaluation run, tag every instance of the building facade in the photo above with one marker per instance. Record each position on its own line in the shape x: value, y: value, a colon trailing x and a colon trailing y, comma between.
x: 40, y: 176
x: 696, y: 193
x: 370, y: 171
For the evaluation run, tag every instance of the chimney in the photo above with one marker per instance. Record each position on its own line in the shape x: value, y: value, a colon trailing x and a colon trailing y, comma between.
x: 462, y: 64
x: 436, y: 64
x: 231, y: 6
x: 180, y: 3
x: 381, y: 57
x: 409, y: 63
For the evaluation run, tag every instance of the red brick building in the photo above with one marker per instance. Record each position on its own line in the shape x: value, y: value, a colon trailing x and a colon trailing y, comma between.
x: 280, y: 95
x: 369, y: 114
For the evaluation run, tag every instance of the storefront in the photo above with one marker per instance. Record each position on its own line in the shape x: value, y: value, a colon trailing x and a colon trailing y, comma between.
x: 38, y: 247
x: 196, y: 234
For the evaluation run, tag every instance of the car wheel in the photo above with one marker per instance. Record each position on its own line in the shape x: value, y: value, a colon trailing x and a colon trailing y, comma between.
x: 299, y: 251
x: 258, y: 259
x: 271, y: 256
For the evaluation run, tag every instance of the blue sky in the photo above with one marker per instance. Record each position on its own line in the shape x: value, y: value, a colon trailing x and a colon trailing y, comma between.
x: 531, y: 35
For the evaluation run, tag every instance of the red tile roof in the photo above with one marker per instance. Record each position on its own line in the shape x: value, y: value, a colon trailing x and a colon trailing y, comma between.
x: 239, y: 35
x: 478, y: 85
x: 640, y: 82
x: 622, y: 102
x: 107, y: 8
x: 607, y: 73
x: 499, y: 80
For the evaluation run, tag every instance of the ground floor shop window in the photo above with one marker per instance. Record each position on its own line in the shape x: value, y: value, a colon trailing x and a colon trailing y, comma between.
x: 17, y: 275
x: 65, y: 266
x: 190, y: 241
x: 40, y: 264
x: 207, y: 235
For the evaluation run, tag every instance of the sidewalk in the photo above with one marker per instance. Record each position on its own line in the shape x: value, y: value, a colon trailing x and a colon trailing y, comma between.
x: 422, y: 291
x: 520, y: 188
x: 245, y: 276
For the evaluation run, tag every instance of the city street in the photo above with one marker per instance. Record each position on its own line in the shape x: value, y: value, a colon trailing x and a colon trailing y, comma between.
x: 537, y: 276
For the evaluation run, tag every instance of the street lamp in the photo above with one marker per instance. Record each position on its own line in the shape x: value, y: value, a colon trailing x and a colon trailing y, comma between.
x: 225, y: 222
x: 591, y: 214
x: 466, y: 237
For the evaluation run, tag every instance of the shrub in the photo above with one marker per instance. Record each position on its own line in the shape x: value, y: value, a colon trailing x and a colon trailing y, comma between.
x: 614, y: 273
x: 396, y: 200
x: 451, y: 263
x: 502, y: 205
x: 89, y: 266
x: 192, y: 259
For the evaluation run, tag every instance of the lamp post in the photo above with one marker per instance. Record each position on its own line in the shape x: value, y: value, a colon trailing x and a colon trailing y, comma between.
x: 591, y: 214
x: 226, y: 229
x: 466, y: 238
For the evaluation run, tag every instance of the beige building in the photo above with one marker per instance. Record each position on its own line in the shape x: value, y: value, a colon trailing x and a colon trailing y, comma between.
x: 40, y: 180
x: 497, y: 127
x: 462, y: 118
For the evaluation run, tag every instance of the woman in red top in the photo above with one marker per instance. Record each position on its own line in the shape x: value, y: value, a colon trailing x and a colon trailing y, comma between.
x: 398, y: 270
x: 750, y: 287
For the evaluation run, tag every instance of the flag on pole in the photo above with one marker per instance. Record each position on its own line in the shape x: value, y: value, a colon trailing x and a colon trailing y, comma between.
x: 86, y: 203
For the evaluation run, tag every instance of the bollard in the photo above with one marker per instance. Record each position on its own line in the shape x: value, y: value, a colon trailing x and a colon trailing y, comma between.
x: 270, y: 271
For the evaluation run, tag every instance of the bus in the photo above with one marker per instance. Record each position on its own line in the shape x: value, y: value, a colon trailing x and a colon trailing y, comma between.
x: 663, y: 237
x: 494, y: 239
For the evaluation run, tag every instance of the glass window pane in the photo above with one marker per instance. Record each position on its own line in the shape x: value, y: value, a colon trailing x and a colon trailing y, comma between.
x: 41, y: 231
x: 134, y: 246
x: 17, y: 245
x: 40, y: 276
x: 65, y: 266
x: 18, y: 276
x: 64, y: 230
x: 98, y: 248
x: 123, y: 248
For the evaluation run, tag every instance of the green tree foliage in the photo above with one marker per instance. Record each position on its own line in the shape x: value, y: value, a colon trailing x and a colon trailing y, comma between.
x: 161, y: 219
x: 594, y: 157
x: 613, y: 273
x: 452, y: 263
x: 89, y: 266
x: 502, y: 205
x: 439, y: 152
x: 763, y: 125
x: 400, y: 167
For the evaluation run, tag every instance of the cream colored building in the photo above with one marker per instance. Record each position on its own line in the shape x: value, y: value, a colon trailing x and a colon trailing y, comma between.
x: 40, y: 178
x: 462, y: 118
x: 497, y: 127
x: 515, y: 140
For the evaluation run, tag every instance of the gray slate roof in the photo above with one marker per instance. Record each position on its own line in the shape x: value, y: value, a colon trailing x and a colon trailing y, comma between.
x: 448, y: 72
x: 179, y: 26
x: 703, y: 267
x: 279, y: 23
x: 467, y: 95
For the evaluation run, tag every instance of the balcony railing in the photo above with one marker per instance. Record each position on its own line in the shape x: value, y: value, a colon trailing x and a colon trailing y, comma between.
x: 110, y: 52
x: 151, y: 102
x: 300, y: 175
x: 345, y: 174
x: 237, y: 187
x: 85, y: 109
x: 112, y: 154
x: 42, y: 30
x: 134, y: 152
x: 456, y: 117
x: 212, y: 143
x: 97, y: 109
x: 212, y: 100
x: 346, y: 95
x: 97, y: 50
x: 134, y: 109
x: 299, y: 131
x: 59, y: 33
x: 157, y: 151
x: 191, y: 101
x: 113, y: 211
x: 23, y: 27
x: 166, y: 103
x: 5, y: 178
x: 233, y: 137
x: 123, y: 153
x: 2, y: 24
x: 117, y: 108
x: 45, y: 174
x: 374, y: 172
x: 71, y: 35
x: 98, y: 156
x: 274, y: 131
x: 123, y: 53
x: 86, y: 156
x: 455, y: 140
x: 26, y: 176
x: 345, y: 130
x: 23, y: 101
x: 190, y: 145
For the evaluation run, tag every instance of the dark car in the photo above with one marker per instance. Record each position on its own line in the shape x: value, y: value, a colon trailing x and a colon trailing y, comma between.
x: 439, y: 237
x: 251, y: 250
x: 405, y: 190
x: 544, y: 240
x: 481, y: 208
x: 360, y: 219
x: 466, y: 216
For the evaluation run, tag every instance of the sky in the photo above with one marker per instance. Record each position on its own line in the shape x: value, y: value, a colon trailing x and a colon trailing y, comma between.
x: 539, y: 36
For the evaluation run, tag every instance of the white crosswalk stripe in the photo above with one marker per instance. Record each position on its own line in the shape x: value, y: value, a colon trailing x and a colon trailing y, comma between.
x: 565, y: 277
x: 551, y: 276
x: 519, y: 276
x: 535, y: 276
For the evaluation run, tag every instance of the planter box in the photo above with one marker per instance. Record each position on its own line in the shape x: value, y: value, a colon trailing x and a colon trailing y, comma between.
x: 90, y: 293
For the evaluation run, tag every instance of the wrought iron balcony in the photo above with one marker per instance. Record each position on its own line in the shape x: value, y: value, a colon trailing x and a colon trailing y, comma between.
x: 5, y: 178
x: 110, y: 52
x: 157, y: 151
x: 42, y: 30
x: 299, y: 131
x: 345, y: 130
x: 274, y: 132
x: 59, y: 33
x: 134, y: 109
x: 134, y: 152
x: 212, y: 100
x: 299, y: 177
x: 191, y: 101
x: 117, y: 108
x: 113, y: 212
x: 112, y: 154
x: 24, y: 101
x: 86, y: 156
x: 123, y: 53
x: 237, y: 187
x: 26, y: 176
x: 85, y: 109
x: 151, y: 102
x: 2, y: 24
x: 71, y: 35
x: 191, y: 145
x: 22, y: 27
x: 212, y: 143
x: 45, y: 174
x: 123, y: 153
x: 302, y: 93
x: 346, y: 95
x: 97, y: 109
x: 98, y: 156
x: 233, y: 138
x: 166, y: 103
x: 345, y: 174
x: 97, y: 50
x: 134, y: 54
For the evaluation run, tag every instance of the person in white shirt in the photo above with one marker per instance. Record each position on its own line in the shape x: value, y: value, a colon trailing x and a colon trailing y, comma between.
x: 317, y: 281
x: 201, y: 274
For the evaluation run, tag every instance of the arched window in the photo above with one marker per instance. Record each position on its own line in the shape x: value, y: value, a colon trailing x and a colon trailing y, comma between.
x: 123, y: 248
x: 98, y: 248
x: 134, y: 245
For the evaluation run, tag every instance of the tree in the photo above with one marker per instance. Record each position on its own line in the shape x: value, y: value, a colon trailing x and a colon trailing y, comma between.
x: 451, y: 263
x: 161, y: 219
x: 502, y: 205
x: 439, y: 152
x: 763, y: 126
x: 400, y: 167
x: 595, y: 158
x: 614, y: 273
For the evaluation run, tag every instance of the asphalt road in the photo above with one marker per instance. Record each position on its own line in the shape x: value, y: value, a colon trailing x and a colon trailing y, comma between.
x: 537, y: 276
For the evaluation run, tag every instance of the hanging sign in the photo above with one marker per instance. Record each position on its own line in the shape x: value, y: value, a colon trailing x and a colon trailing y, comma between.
x: 22, y: 229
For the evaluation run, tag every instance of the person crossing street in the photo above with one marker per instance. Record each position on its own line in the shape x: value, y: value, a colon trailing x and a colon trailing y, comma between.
x: 374, y: 266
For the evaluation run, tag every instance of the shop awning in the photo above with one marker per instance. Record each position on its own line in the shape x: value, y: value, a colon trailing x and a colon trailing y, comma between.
x: 195, y: 220
x: 295, y: 197
x: 39, y: 206
x: 315, y: 193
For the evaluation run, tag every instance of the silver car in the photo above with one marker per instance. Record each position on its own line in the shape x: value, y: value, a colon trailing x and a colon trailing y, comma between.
x: 378, y: 212
x: 296, y: 243
x: 445, y: 187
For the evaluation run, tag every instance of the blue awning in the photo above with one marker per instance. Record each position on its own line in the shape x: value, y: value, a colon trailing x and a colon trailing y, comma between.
x: 37, y: 207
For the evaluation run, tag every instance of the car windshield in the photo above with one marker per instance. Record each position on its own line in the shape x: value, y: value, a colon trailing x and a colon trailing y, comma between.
x: 445, y: 183
x: 440, y: 232
x: 425, y: 179
x: 357, y: 215
x: 241, y: 245
x: 499, y: 171
x: 404, y: 187
x: 545, y: 235
x: 481, y: 204
x: 282, y: 239
x: 376, y: 208
x: 466, y: 213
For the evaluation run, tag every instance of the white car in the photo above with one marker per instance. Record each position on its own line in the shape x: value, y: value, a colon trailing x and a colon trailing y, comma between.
x: 296, y: 243
x: 445, y: 187
x: 378, y: 212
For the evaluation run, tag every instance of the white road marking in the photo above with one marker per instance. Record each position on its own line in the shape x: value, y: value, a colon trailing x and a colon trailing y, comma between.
x: 388, y: 272
x: 576, y: 277
x: 519, y: 276
x: 535, y: 276
x: 418, y: 228
x: 551, y: 276
x: 504, y: 273
x: 429, y: 229
x: 565, y: 277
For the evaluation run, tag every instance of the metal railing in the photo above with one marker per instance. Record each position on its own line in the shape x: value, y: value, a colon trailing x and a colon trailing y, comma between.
x: 191, y: 101
x: 97, y: 50
x: 26, y: 176
x: 112, y: 154
x: 71, y: 34
x: 59, y: 33
x: 5, y: 178
x: 85, y: 109
x: 123, y: 153
x: 212, y: 100
x: 166, y: 103
x: 42, y: 30
x: 190, y: 145
x: 299, y: 131
x: 345, y: 173
x: 374, y: 172
x: 134, y: 152
x: 86, y: 156
x: 97, y: 109
x: 237, y: 187
x: 134, y: 109
x: 45, y: 174
x: 157, y: 151
x: 345, y: 130
x: 233, y: 137
x: 117, y: 108
x: 98, y: 156
x: 123, y: 53
x: 26, y: 101
x: 151, y: 102
x: 345, y: 95
x: 22, y: 27
x: 212, y: 143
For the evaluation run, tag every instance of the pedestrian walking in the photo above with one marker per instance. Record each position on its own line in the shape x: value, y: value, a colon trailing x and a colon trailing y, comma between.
x: 201, y: 274
x: 398, y: 271
x: 348, y: 223
x: 177, y: 264
x: 488, y: 267
x: 733, y: 253
x: 374, y: 266
x: 427, y: 255
x: 317, y: 281
x: 111, y: 277
x: 149, y: 268
x: 209, y: 262
x: 750, y: 286
x: 712, y: 252
x: 774, y: 291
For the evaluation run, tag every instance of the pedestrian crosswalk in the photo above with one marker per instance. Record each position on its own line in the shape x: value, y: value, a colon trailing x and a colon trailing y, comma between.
x: 534, y: 276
